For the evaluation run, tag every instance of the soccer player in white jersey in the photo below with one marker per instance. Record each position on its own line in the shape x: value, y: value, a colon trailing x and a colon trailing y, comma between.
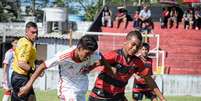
x: 7, y: 71
x: 73, y: 65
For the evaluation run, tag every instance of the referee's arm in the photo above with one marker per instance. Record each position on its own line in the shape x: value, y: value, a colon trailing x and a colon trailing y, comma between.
x: 24, y: 65
x: 25, y: 89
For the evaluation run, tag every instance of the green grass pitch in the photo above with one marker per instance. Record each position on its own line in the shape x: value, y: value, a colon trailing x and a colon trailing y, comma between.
x: 51, y: 95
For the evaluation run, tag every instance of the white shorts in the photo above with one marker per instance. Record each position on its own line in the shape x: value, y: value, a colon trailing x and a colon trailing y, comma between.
x: 68, y: 91
x: 72, y: 96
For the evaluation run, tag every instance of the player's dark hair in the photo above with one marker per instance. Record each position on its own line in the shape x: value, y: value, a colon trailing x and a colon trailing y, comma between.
x: 31, y: 24
x: 88, y: 42
x: 146, y: 45
x: 13, y: 39
x: 134, y: 33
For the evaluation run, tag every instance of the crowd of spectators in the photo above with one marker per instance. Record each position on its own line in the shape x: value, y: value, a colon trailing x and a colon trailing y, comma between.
x: 191, y: 18
x: 142, y: 20
x: 121, y: 16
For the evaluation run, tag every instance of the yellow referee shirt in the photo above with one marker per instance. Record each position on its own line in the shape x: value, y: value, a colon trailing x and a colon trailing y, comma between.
x: 25, y: 51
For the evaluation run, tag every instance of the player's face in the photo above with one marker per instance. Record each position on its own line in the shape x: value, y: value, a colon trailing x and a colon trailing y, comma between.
x: 32, y: 33
x: 132, y: 46
x: 144, y: 51
x: 84, y: 54
x: 14, y: 44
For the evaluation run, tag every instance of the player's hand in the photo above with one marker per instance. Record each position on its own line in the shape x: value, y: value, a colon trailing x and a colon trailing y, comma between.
x: 42, y: 74
x: 114, y: 71
x: 137, y: 76
x: 5, y: 85
x: 24, y: 91
x: 163, y: 100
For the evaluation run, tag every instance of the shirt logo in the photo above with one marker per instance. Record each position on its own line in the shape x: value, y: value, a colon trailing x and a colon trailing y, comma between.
x: 71, y: 67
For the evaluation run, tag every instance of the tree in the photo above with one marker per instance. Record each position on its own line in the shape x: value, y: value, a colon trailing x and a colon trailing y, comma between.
x: 90, y: 7
x: 60, y: 3
x: 120, y: 2
x: 9, y: 10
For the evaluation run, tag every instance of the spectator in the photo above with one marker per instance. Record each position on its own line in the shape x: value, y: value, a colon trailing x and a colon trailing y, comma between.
x: 191, y: 22
x: 107, y: 17
x: 186, y: 20
x: 136, y: 19
x: 173, y: 18
x: 165, y: 16
x: 144, y: 28
x: 145, y: 14
x: 121, y: 16
x: 197, y: 20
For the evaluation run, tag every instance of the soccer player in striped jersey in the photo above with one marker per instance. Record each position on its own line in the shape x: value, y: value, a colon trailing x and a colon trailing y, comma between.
x: 140, y: 88
x: 73, y: 65
x: 7, y: 70
x: 126, y: 63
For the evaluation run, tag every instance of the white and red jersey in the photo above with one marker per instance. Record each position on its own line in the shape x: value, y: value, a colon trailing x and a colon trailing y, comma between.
x: 71, y: 79
x: 8, y: 60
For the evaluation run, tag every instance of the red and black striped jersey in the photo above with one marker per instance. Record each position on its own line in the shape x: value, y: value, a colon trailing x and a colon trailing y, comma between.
x: 107, y: 86
x: 140, y: 82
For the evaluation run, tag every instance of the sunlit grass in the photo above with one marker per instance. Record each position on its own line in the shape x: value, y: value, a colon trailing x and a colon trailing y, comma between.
x: 51, y: 95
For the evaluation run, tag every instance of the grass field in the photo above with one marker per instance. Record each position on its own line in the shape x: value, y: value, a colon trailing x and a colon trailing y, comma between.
x: 50, y: 95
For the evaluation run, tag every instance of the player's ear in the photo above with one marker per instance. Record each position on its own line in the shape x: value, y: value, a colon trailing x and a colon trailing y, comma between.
x: 79, y: 48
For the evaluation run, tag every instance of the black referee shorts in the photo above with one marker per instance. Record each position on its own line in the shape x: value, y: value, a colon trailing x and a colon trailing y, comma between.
x: 112, y: 99
x: 17, y: 81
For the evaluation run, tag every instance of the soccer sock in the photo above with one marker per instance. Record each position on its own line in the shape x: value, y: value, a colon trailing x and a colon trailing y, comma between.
x: 6, y: 97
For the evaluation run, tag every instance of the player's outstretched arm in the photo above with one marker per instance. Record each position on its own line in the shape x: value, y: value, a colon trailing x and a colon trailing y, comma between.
x: 152, y: 84
x: 23, y: 65
x: 25, y: 89
x: 5, y: 79
x: 101, y: 62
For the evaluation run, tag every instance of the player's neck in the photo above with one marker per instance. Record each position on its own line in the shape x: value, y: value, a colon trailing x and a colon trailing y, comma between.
x: 127, y: 57
x: 144, y: 58
x: 29, y: 39
x: 76, y: 56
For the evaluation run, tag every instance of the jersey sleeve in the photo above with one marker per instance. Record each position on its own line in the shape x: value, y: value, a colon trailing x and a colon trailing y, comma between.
x: 8, y: 57
x: 57, y: 59
x: 54, y: 61
x: 141, y: 68
x: 24, y: 51
x: 96, y: 56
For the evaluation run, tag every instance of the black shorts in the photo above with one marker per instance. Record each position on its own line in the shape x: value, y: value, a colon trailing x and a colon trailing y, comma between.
x: 123, y: 98
x: 139, y: 95
x: 17, y: 81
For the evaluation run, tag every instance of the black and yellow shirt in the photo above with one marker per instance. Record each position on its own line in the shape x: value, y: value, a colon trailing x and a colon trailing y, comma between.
x: 25, y: 51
